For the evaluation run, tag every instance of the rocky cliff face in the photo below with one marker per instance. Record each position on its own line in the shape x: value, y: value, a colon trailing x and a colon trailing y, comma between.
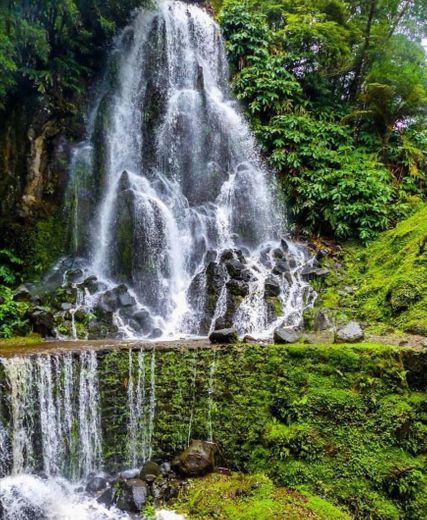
x: 35, y: 145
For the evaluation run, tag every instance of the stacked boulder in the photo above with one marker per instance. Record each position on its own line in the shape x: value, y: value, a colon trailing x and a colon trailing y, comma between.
x: 153, y: 484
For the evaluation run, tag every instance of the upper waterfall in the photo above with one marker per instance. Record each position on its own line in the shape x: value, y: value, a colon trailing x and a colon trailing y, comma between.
x: 170, y: 196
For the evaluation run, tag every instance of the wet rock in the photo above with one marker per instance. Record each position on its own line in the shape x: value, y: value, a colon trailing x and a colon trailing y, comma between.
x: 165, y: 490
x: 282, y: 266
x: 210, y: 256
x: 272, y: 287
x: 102, y: 328
x: 131, y: 495
x: 129, y: 473
x: 197, y: 460
x: 144, y: 320
x: 292, y: 262
x: 106, y: 498
x: 321, y: 254
x: 227, y: 255
x: 284, y: 245
x: 350, y: 333
x: 321, y: 321
x: 235, y: 268
x: 277, y: 253
x: 126, y: 300
x: 249, y: 339
x: 96, y: 484
x: 66, y: 306
x: 165, y: 468
x: 73, y: 275
x: 63, y: 294
x: 220, y: 323
x: 156, y: 333
x: 284, y: 336
x: 288, y: 278
x: 224, y: 336
x: 93, y: 285
x: 265, y: 258
x: 238, y: 288
x: 42, y: 321
x: 216, y: 276
x: 116, y: 298
x: 22, y: 294
x: 150, y: 471
x: 311, y: 273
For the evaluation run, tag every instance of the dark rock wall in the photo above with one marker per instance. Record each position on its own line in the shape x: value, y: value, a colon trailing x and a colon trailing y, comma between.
x: 35, y: 148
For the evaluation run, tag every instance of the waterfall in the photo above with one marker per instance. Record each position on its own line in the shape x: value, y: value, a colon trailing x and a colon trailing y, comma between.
x: 89, y: 414
x: 141, y: 408
x: 4, y: 450
x: 45, y: 400
x: 211, y: 390
x: 170, y: 196
x: 27, y: 497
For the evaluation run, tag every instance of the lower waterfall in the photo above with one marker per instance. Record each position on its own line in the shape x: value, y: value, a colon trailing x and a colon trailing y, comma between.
x: 67, y: 416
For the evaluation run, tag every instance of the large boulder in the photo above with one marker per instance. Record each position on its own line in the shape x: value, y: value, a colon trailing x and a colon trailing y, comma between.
x: 197, y: 460
x: 224, y: 336
x: 150, y: 471
x: 272, y: 287
x: 284, y: 336
x: 350, y: 333
x: 42, y: 321
x: 321, y: 321
x: 106, y: 498
x: 22, y: 294
x: 96, y: 484
x: 116, y: 298
x: 131, y: 494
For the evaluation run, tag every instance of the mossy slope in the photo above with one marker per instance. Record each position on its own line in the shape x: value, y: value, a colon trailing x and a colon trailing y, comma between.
x: 387, y: 278
x: 251, y: 497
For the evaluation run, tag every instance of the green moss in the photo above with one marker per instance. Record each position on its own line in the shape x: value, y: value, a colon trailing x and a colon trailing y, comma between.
x: 335, y: 421
x: 250, y: 497
x: 387, y: 278
x: 23, y: 341
x: 44, y: 244
x: 276, y: 305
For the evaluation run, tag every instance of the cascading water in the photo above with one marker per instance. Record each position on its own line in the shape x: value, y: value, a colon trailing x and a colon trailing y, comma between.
x: 142, y: 407
x: 51, y: 428
x: 170, y: 196
x: 51, y: 433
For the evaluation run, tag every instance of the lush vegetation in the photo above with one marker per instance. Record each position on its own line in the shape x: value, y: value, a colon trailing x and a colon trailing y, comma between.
x: 346, y: 423
x: 251, y: 497
x: 336, y: 92
x: 53, y: 46
x: 386, y: 281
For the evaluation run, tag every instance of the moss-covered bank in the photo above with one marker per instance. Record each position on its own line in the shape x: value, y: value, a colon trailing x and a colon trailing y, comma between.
x: 347, y: 423
x: 251, y: 497
x: 385, y: 282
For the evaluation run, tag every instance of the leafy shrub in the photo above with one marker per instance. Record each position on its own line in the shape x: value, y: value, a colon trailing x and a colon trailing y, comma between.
x: 332, y: 186
x: 12, y: 315
x: 9, y: 263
